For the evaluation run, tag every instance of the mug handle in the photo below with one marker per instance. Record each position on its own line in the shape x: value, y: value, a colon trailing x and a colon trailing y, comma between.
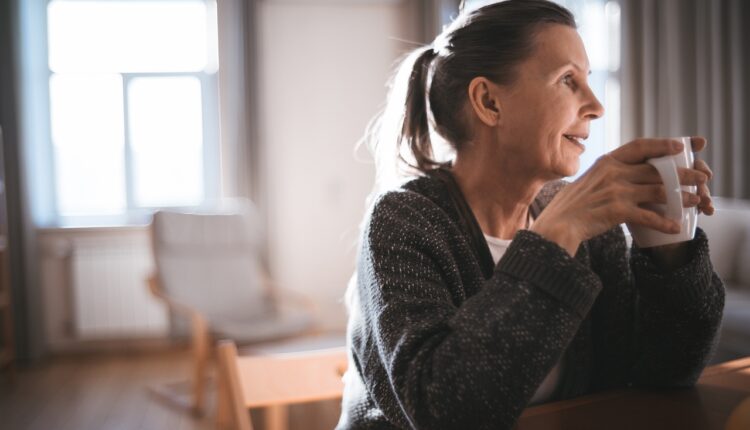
x: 668, y: 172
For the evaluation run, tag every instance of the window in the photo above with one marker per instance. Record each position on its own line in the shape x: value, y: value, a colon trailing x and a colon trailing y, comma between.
x: 599, y: 25
x: 133, y: 106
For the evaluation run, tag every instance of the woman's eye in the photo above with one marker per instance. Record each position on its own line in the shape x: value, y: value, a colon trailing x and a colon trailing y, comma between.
x: 567, y: 80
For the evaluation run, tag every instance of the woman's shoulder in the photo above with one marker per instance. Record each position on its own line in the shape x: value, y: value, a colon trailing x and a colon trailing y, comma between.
x: 418, y: 204
x: 422, y: 193
x: 398, y: 203
x: 402, y: 202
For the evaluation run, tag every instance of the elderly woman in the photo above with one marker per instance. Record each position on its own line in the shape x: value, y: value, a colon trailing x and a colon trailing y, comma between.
x: 486, y: 283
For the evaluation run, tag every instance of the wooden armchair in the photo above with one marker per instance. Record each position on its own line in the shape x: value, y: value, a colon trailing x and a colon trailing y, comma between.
x: 274, y: 381
x: 208, y: 270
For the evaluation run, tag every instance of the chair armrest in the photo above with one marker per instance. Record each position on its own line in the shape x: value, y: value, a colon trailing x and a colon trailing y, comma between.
x: 152, y: 281
x: 284, y: 296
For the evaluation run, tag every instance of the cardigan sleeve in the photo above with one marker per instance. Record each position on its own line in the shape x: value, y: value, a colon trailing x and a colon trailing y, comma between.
x: 652, y: 328
x: 614, y: 313
x: 678, y: 317
x: 432, y: 356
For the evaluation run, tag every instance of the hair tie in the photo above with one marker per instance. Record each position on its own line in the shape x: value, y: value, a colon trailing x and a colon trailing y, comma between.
x: 431, y: 53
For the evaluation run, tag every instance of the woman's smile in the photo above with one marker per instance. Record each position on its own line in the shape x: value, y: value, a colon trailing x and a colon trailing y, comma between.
x: 576, y: 140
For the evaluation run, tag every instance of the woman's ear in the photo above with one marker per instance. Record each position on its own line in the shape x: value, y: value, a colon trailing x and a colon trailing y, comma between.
x: 484, y: 100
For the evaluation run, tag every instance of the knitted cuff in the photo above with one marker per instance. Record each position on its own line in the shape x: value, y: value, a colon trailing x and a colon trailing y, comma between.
x: 686, y: 285
x: 548, y: 266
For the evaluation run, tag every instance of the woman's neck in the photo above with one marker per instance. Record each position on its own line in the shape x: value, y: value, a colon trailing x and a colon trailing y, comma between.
x: 499, y: 194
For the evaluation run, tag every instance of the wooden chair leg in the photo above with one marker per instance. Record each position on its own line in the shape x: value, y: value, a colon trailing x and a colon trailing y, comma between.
x: 276, y: 417
x: 191, y: 399
x: 200, y: 341
x: 223, y: 407
x: 230, y: 381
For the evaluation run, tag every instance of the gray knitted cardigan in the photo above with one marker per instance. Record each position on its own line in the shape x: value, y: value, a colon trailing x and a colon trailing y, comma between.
x: 442, y: 338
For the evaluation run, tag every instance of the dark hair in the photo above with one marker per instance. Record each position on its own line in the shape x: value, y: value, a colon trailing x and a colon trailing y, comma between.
x: 490, y: 41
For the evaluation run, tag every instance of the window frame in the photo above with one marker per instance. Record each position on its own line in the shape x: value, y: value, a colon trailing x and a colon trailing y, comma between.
x: 132, y: 214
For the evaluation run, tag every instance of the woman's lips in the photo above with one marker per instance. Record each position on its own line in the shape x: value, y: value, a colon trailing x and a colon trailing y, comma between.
x: 575, y: 140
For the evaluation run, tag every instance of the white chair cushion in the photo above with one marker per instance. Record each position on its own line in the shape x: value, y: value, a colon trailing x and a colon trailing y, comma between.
x: 210, y: 263
x: 198, y: 232
x: 219, y: 285
x: 725, y: 231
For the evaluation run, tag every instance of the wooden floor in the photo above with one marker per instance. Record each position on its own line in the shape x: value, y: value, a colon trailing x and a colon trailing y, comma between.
x: 111, y: 392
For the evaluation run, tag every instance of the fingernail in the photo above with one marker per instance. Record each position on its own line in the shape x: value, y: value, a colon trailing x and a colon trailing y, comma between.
x: 677, y: 145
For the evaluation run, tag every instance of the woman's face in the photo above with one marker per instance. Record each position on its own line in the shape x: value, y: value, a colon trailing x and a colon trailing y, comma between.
x: 545, y: 113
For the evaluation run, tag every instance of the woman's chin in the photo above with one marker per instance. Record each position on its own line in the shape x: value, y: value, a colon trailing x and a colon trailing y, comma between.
x: 569, y: 169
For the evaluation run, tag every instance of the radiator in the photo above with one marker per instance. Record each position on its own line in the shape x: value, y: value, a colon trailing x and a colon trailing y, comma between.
x: 110, y: 298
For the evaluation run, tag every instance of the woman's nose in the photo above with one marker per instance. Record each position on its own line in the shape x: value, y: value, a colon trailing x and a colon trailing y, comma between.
x: 592, y: 109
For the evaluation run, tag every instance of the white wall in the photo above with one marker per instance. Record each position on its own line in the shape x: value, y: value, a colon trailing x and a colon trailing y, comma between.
x: 323, y: 67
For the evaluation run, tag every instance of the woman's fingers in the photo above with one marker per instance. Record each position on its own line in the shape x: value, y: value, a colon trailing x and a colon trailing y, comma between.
x: 647, y: 174
x: 643, y: 173
x: 655, y: 193
x: 649, y: 193
x: 698, y: 143
x: 701, y: 166
x: 689, y: 199
x: 651, y: 219
x: 691, y: 176
x: 706, y: 204
x: 640, y: 150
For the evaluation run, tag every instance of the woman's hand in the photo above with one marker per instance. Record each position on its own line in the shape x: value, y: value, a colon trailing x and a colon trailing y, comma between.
x: 706, y: 204
x: 613, y: 191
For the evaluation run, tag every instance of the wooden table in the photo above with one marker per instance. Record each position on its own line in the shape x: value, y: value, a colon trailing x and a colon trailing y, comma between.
x: 707, y: 406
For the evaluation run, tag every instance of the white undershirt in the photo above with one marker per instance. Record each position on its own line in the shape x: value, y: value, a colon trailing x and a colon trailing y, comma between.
x: 546, y: 390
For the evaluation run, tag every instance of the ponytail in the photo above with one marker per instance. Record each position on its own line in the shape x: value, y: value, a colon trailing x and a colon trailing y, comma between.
x: 415, y: 132
x: 399, y: 137
x: 401, y: 127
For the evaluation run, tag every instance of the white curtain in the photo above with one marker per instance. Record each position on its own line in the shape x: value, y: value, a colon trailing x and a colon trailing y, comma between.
x: 685, y: 65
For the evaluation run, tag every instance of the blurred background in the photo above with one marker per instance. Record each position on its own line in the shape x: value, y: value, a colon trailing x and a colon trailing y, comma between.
x: 113, y: 109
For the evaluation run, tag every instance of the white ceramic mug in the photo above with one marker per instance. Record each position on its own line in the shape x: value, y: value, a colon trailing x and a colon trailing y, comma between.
x: 687, y: 217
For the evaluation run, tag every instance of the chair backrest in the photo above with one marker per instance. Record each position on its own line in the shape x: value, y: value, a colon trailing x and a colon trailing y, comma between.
x: 279, y: 379
x: 210, y: 262
x: 727, y: 229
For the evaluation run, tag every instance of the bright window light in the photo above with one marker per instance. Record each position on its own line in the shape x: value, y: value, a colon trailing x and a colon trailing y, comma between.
x: 612, y: 118
x: 127, y: 36
x: 592, y: 29
x: 612, y: 11
x: 166, y: 131
x: 133, y: 106
x: 87, y: 136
